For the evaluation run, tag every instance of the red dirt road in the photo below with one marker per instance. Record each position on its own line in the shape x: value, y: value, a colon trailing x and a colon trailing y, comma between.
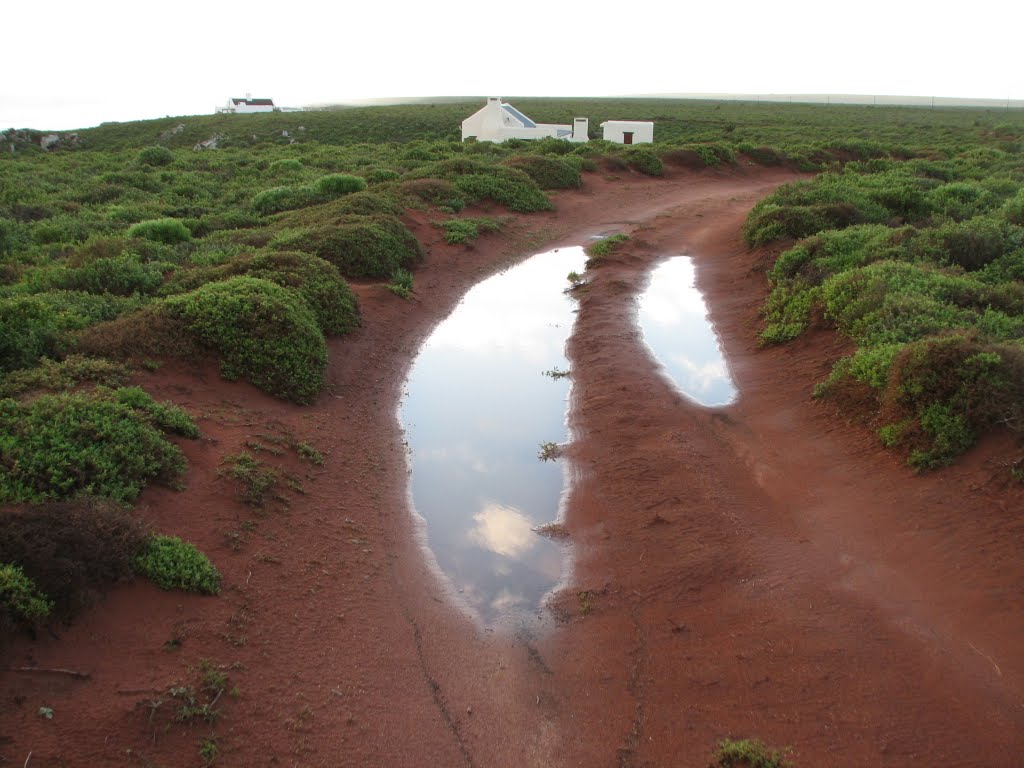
x: 759, y: 570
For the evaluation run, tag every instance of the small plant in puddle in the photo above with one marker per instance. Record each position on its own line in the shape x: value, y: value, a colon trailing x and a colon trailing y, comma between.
x: 747, y: 753
x: 575, y: 280
x: 549, y: 451
x: 606, y: 246
x: 585, y: 606
x: 401, y: 283
x: 556, y: 373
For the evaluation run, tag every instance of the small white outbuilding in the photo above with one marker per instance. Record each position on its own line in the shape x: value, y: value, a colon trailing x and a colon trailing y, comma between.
x: 628, y: 131
x: 498, y: 122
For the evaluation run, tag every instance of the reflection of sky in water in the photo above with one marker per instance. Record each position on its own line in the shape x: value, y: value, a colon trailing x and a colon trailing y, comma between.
x: 674, y: 322
x: 476, y: 409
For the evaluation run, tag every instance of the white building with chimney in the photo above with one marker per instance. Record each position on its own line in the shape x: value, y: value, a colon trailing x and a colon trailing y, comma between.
x: 248, y: 104
x: 499, y: 122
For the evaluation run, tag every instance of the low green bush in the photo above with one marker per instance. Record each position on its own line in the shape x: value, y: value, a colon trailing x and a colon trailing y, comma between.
x: 338, y: 184
x: 547, y: 171
x: 369, y: 204
x: 747, y: 753
x: 58, y: 376
x: 316, y: 280
x: 171, y: 563
x: 467, y: 230
x: 156, y: 156
x: 168, y: 231
x: 285, y: 166
x: 437, y: 192
x: 280, y: 199
x: 359, y: 246
x: 260, y: 331
x: 645, y: 160
x: 59, y: 446
x: 21, y: 602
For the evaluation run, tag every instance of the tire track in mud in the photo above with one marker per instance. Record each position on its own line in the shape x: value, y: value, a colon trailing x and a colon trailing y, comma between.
x: 436, y: 693
x: 636, y: 685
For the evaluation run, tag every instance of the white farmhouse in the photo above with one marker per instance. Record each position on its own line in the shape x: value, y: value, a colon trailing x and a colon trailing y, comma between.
x: 628, y: 131
x: 248, y: 104
x: 499, y: 122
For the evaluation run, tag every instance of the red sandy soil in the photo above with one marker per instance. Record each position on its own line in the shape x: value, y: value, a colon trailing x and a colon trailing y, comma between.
x: 761, y: 570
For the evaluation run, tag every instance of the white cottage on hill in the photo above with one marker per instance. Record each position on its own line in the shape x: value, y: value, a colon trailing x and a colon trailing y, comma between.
x: 248, y: 104
x: 499, y: 122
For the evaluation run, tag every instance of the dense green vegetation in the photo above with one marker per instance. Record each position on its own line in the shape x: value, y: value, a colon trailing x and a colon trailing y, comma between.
x: 921, y: 264
x: 127, y: 246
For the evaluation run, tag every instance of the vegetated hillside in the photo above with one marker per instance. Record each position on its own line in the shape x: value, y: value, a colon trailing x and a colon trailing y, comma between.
x: 124, y: 247
x: 921, y: 264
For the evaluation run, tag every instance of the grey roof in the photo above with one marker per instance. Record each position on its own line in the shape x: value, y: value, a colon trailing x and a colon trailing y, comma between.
x: 254, y: 102
x: 519, y: 116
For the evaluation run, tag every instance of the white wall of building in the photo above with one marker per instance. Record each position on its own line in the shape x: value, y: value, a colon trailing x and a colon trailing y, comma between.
x: 493, y: 123
x: 617, y: 130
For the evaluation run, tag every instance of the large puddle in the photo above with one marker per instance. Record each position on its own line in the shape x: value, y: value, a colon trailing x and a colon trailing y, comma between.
x: 674, y: 320
x: 477, y: 407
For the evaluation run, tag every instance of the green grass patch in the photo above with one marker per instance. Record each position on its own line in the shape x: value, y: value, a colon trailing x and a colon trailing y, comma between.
x: 171, y: 563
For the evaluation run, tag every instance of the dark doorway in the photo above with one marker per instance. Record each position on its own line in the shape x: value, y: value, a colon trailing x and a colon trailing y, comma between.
x: 627, y: 137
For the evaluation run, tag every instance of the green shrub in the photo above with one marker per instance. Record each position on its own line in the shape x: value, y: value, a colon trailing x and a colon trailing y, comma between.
x: 960, y: 200
x: 166, y: 416
x: 156, y: 156
x: 437, y: 192
x: 401, y: 283
x: 516, y: 191
x: 282, y: 199
x: 381, y: 175
x: 359, y: 246
x: 468, y: 230
x: 59, y: 446
x: 973, y: 244
x: 169, y: 231
x: 171, y: 563
x: 120, y: 275
x: 284, y: 167
x: 317, y: 281
x: 338, y: 184
x: 645, y: 160
x: 548, y: 172
x: 21, y: 602
x: 29, y: 330
x: 260, y: 331
x: 747, y: 753
x: 788, y: 312
x: 64, y: 375
x: 369, y: 204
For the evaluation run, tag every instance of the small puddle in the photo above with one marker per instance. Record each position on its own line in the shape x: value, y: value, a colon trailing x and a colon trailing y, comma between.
x: 674, y: 321
x: 476, y: 409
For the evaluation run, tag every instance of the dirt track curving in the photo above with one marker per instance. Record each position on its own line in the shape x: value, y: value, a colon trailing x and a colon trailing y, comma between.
x: 757, y: 570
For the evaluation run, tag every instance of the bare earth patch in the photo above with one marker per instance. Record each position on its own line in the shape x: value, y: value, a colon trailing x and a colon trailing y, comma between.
x: 761, y: 570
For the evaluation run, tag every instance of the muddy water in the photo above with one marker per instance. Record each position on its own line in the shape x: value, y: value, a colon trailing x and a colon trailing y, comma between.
x: 476, y: 409
x: 674, y: 320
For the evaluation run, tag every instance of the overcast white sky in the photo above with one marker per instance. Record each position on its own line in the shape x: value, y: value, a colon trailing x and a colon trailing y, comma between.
x: 76, y: 64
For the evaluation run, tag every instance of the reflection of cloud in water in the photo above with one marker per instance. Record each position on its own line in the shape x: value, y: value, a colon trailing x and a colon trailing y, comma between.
x: 671, y: 298
x: 508, y: 312
x: 503, y: 530
x: 506, y: 600
x: 700, y: 378
x: 674, y: 321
